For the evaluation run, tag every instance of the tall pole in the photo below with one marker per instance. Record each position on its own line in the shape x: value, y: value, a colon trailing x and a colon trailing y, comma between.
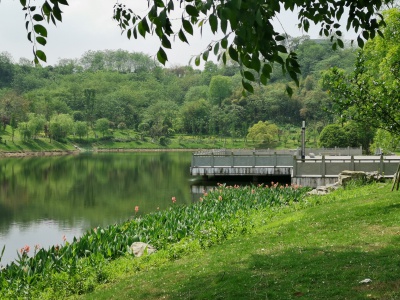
x: 303, y: 140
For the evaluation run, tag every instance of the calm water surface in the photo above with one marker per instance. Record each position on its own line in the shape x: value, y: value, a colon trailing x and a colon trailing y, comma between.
x: 44, y: 198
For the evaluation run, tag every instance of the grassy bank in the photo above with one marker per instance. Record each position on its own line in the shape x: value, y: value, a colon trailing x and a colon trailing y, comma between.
x: 124, y: 139
x: 321, y: 252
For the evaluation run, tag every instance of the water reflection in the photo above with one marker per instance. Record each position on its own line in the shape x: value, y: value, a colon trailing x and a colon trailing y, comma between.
x: 44, y: 198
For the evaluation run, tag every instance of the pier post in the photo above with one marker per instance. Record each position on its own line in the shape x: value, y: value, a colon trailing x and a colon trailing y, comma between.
x: 303, y: 140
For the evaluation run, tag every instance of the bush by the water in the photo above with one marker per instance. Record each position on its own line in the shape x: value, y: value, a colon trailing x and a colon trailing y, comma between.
x: 77, y: 267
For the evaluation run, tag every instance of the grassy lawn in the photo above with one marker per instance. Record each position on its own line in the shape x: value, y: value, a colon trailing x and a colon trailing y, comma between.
x: 322, y: 252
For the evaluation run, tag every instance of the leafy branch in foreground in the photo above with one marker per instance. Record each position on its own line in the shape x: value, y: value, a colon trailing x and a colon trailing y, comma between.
x: 34, y: 16
x: 249, y: 36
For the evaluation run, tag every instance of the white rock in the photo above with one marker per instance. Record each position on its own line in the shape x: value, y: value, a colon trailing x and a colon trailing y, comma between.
x: 366, y: 280
x: 139, y: 248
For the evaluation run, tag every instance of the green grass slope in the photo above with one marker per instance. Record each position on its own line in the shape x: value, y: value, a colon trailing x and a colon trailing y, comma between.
x: 321, y: 252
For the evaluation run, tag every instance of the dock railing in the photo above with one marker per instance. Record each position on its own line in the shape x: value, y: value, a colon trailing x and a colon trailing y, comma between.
x: 242, y: 158
x: 331, y: 166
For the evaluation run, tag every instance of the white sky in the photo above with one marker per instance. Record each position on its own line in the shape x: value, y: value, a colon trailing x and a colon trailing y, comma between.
x: 88, y: 25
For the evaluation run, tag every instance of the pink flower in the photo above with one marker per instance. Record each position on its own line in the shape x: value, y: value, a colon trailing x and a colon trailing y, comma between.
x: 205, y: 194
x: 201, y: 199
x: 220, y: 198
x: 253, y: 191
x: 64, y: 238
x: 136, y: 209
x: 24, y: 250
x: 173, y: 199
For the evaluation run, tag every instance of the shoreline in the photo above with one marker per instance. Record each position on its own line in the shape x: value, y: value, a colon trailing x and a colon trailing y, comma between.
x: 17, y: 154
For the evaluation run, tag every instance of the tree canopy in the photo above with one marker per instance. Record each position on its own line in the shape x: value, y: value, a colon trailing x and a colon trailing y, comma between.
x: 248, y: 34
x: 370, y: 94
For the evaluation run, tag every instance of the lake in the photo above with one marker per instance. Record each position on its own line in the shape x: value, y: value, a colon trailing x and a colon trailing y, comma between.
x: 43, y: 199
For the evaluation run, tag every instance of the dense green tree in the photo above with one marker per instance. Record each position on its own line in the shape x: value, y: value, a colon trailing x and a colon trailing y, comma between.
x: 263, y: 132
x: 81, y: 129
x: 36, y: 124
x: 196, y: 93
x: 385, y: 142
x: 333, y: 135
x: 220, y: 88
x: 60, y: 126
x: 195, y: 116
x: 103, y: 125
x: 6, y: 70
x: 371, y: 94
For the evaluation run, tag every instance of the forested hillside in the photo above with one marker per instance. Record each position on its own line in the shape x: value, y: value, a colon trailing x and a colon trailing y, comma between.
x: 106, y: 91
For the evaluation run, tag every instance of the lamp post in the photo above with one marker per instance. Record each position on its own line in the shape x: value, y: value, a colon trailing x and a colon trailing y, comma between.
x: 303, y: 140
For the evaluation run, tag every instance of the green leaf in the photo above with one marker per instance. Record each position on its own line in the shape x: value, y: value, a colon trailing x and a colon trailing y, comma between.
x: 365, y: 34
x: 162, y: 56
x: 182, y: 36
x: 30, y: 36
x: 170, y: 5
x: 41, y: 55
x: 23, y: 2
x: 224, y: 43
x: 46, y: 8
x: 141, y: 28
x: 63, y: 2
x: 263, y: 79
x: 360, y: 42
x: 129, y: 33
x: 57, y: 13
x: 289, y: 90
x: 187, y: 26
x: 197, y: 61
x: 41, y: 40
x: 165, y: 42
x: 224, y: 25
x: 281, y: 48
x: 39, y: 29
x: 249, y: 76
x: 233, y: 53
x: 216, y: 48
x: 213, y: 23
x: 279, y: 38
x: 135, y: 33
x: 259, y: 18
x: 306, y: 25
x: 247, y: 86
x: 159, y: 3
x: 37, y: 17
x: 339, y: 12
x: 267, y: 70
x: 205, y: 55
x: 340, y: 43
x: 192, y: 11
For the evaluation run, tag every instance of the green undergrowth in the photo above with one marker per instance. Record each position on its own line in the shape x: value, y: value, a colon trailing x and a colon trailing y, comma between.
x: 323, y: 248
